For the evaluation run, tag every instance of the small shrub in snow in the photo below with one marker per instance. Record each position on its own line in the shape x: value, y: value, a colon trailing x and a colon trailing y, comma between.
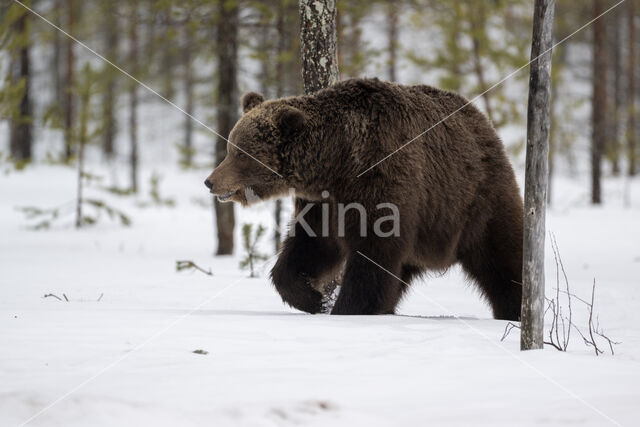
x: 559, y: 332
x: 250, y: 241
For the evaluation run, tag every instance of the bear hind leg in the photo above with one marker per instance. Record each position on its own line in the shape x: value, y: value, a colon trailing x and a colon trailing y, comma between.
x: 495, y: 264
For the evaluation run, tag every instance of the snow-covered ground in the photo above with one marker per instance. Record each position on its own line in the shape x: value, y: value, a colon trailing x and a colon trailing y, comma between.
x: 128, y: 359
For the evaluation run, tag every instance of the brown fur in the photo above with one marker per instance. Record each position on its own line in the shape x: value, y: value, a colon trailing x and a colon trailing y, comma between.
x: 456, y: 191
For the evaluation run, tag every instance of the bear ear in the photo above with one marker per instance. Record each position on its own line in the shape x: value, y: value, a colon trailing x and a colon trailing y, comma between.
x: 251, y: 100
x: 290, y: 121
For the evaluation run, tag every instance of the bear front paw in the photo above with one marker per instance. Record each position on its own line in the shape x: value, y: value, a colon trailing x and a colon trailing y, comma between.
x: 307, y: 300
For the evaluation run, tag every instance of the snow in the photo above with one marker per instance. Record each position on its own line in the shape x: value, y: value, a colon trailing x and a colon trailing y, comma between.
x: 128, y: 359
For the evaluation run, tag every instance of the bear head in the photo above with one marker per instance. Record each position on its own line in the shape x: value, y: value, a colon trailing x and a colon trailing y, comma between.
x: 252, y: 169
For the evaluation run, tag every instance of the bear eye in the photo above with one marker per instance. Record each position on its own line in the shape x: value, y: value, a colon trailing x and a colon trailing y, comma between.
x: 240, y: 155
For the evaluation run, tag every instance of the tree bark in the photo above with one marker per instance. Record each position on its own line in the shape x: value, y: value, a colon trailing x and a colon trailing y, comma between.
x: 82, y: 142
x: 536, y: 178
x: 133, y: 99
x: 553, y: 135
x: 477, y: 20
x: 189, y: 83
x: 281, y: 48
x: 68, y: 89
x: 319, y: 44
x: 21, y: 130
x: 227, y: 103
x: 109, y: 116
x: 631, y: 91
x: 392, y: 39
x: 599, y: 101
x: 613, y: 147
x: 286, y: 81
x: 56, y: 59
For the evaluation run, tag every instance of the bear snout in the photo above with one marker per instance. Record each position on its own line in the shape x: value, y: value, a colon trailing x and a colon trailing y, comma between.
x: 208, y: 184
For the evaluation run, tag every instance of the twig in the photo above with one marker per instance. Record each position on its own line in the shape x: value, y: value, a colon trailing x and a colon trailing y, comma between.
x: 558, y: 319
x: 52, y: 295
x: 189, y: 265
x: 507, y: 329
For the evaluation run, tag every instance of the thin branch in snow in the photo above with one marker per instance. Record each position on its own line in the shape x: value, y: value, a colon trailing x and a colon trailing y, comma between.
x: 559, y: 333
x: 190, y: 265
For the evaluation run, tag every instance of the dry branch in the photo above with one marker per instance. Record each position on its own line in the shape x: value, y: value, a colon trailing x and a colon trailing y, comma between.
x: 190, y: 265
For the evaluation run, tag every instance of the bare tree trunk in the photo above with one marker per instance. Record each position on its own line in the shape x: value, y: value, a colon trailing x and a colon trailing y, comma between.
x: 599, y: 101
x: 68, y: 104
x: 133, y: 98
x: 227, y: 102
x: 82, y: 142
x: 477, y: 20
x: 631, y: 91
x: 536, y: 179
x: 287, y: 79
x: 21, y: 126
x: 109, y: 116
x: 56, y: 60
x: 319, y: 44
x: 167, y: 53
x: 553, y: 134
x: 280, y: 84
x: 618, y: 94
x: 187, y: 159
x: 392, y: 38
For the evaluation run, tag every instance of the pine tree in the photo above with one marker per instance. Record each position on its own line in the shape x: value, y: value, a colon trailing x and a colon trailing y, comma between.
x: 631, y: 90
x: 111, y: 76
x: 133, y: 96
x: 599, y: 100
x: 15, y: 95
x: 227, y: 103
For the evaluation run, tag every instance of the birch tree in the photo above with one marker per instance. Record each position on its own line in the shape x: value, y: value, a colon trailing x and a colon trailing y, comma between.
x: 536, y: 178
x: 319, y: 44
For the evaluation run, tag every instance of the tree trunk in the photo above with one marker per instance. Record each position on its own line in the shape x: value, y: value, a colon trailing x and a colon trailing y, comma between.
x: 599, y: 100
x: 56, y: 59
x: 319, y: 47
x: 21, y: 126
x: 109, y: 107
x: 187, y: 158
x: 618, y: 93
x: 133, y: 99
x: 631, y: 91
x: 392, y: 38
x: 227, y: 103
x: 477, y: 20
x: 287, y: 79
x: 82, y: 142
x: 167, y: 54
x: 68, y: 104
x: 553, y: 133
x: 536, y: 178
x: 281, y: 48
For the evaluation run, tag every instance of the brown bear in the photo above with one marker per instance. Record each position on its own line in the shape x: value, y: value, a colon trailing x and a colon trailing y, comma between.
x: 453, y: 188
